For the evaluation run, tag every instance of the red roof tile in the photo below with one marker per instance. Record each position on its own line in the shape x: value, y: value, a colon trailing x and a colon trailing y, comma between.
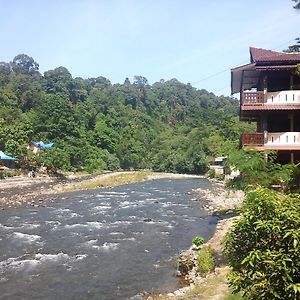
x: 270, y: 107
x: 262, y: 55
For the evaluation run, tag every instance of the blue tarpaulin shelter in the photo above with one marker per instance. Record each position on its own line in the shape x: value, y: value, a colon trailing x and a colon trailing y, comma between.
x: 3, y: 156
x: 42, y: 145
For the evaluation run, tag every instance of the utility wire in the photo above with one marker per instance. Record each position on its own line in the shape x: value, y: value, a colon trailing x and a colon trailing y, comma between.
x: 229, y: 68
x: 211, y: 76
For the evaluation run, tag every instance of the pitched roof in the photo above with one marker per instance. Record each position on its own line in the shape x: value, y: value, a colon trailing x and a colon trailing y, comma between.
x: 262, y: 55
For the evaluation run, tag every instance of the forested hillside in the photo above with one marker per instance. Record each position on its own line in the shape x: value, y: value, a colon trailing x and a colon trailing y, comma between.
x: 94, y: 124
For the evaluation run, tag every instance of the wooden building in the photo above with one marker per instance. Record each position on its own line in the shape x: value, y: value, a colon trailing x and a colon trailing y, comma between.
x: 269, y: 88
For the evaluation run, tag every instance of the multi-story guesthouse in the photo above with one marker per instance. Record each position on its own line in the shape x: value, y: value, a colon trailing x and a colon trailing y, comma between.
x: 269, y: 88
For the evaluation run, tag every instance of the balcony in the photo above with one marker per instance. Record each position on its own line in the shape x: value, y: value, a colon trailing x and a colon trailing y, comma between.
x: 272, y: 140
x: 271, y: 98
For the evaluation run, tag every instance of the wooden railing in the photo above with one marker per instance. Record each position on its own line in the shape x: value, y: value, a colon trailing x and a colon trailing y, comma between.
x: 271, y: 139
x: 253, y: 98
x: 253, y: 139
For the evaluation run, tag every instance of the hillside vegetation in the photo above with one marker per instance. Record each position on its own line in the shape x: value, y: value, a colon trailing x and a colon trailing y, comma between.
x: 96, y: 125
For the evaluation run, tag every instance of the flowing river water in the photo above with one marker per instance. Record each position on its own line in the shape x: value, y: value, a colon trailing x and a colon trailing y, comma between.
x: 101, y: 244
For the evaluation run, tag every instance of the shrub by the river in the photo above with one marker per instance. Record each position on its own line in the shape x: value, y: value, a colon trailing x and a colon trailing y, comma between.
x: 263, y: 248
x: 206, y: 260
x: 198, y: 241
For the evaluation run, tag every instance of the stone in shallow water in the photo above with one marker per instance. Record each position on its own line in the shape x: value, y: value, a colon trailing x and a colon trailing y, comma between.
x: 147, y: 220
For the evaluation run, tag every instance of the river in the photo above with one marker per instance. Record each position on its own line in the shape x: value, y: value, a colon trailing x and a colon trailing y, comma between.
x: 101, y: 244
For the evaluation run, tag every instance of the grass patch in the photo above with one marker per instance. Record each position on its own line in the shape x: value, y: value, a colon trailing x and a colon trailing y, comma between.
x: 117, y: 179
x: 110, y: 180
x: 206, y: 260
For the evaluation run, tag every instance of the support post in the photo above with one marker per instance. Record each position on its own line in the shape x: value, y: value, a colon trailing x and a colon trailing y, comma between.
x: 291, y: 82
x: 292, y: 158
x: 291, y: 117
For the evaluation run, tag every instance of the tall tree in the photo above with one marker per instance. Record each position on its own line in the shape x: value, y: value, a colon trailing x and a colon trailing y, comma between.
x: 24, y: 64
x: 58, y: 80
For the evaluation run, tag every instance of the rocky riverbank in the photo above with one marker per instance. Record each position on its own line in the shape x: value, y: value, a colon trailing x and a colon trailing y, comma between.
x: 218, y: 198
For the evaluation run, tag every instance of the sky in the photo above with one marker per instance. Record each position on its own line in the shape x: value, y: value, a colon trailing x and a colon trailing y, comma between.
x: 195, y: 41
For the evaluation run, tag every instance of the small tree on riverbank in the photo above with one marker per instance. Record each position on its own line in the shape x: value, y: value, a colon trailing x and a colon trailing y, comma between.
x: 263, y: 248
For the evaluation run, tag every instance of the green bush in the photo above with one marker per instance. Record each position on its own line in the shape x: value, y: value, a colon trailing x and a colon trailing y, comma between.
x: 263, y: 248
x: 198, y: 241
x: 206, y: 260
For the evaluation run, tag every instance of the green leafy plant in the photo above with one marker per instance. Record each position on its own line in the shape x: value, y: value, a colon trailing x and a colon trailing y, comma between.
x: 263, y: 248
x: 198, y: 241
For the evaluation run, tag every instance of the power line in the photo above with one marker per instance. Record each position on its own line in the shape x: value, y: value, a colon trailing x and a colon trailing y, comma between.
x: 229, y: 68
x: 212, y: 75
x: 281, y: 45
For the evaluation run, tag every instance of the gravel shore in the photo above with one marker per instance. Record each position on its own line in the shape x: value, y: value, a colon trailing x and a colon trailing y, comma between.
x: 218, y: 198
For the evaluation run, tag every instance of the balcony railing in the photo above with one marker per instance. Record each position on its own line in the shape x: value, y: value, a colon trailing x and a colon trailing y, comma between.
x: 271, y: 98
x: 283, y: 138
x: 250, y: 98
x: 271, y: 139
x: 253, y: 139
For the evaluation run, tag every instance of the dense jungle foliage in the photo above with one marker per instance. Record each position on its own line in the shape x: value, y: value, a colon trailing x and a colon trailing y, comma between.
x: 94, y: 124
